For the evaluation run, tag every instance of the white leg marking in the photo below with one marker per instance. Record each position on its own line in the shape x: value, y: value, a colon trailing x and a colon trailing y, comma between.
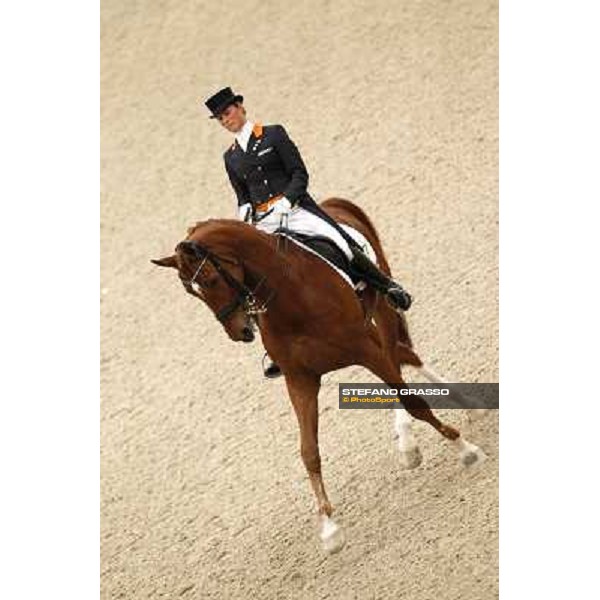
x: 475, y: 414
x: 410, y: 454
x: 431, y: 375
x: 331, y: 534
x: 469, y: 453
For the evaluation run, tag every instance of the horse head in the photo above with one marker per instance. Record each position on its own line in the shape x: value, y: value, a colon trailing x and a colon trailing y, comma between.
x: 217, y: 279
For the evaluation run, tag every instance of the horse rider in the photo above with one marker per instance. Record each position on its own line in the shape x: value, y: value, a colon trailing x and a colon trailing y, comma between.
x: 270, y: 181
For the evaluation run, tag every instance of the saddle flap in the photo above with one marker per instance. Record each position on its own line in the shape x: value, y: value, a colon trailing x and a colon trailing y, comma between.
x: 325, y: 248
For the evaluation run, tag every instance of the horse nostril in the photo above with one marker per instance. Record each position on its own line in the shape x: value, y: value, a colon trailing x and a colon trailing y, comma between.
x: 247, y: 334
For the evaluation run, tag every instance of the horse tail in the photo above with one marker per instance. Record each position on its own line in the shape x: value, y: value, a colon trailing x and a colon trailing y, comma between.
x: 360, y: 215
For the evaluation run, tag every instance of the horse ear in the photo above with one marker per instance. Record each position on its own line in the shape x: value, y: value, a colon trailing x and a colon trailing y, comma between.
x: 168, y: 261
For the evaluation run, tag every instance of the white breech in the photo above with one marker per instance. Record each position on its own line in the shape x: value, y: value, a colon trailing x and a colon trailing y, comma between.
x: 303, y: 221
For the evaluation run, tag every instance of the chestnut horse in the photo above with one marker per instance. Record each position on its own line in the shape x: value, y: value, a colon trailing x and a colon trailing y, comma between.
x: 311, y: 322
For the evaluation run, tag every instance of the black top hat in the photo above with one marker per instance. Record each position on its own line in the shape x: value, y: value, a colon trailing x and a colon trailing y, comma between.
x: 221, y: 100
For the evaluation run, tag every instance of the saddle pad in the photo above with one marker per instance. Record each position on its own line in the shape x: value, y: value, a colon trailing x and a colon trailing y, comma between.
x: 330, y: 253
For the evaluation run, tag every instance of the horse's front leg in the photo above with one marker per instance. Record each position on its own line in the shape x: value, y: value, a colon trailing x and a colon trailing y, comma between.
x: 304, y: 391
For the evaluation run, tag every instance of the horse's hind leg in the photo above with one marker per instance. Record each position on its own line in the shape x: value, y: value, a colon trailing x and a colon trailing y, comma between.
x: 419, y: 409
x: 472, y: 413
x: 391, y: 328
x: 469, y: 453
x: 303, y: 389
x: 409, y: 452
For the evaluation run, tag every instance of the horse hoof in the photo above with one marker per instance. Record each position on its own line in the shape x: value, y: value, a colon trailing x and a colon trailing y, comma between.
x: 473, y: 456
x: 468, y: 453
x: 475, y: 414
x: 332, y: 535
x: 410, y: 459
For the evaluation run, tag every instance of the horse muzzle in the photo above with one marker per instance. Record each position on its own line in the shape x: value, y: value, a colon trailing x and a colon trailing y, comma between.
x: 247, y: 334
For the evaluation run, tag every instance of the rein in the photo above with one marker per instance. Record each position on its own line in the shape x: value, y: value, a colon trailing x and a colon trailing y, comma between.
x: 245, y: 297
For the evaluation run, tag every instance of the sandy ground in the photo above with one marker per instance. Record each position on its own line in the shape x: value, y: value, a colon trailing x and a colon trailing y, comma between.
x: 394, y: 106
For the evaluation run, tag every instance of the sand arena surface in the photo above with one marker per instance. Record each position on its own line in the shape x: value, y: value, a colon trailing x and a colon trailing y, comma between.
x: 394, y: 106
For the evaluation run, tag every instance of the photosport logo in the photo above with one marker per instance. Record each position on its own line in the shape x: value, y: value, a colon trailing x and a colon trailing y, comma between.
x: 435, y: 395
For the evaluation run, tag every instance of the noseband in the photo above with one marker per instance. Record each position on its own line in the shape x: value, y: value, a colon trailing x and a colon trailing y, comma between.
x: 245, y: 297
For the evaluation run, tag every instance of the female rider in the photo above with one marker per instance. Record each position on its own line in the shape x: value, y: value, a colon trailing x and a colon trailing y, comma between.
x: 270, y: 181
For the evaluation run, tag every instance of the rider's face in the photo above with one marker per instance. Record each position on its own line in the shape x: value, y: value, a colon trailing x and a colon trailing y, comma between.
x: 233, y: 117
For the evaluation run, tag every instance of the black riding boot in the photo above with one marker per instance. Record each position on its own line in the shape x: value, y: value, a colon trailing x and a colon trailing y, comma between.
x: 396, y: 295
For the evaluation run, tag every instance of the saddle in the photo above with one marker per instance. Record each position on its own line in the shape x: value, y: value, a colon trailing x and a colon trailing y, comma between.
x: 326, y: 249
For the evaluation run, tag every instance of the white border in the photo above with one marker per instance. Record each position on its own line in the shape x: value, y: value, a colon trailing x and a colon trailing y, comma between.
x: 49, y: 427
x: 548, y: 298
x: 50, y: 332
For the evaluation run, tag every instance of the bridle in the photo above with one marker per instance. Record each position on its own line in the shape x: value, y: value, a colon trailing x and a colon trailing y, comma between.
x: 245, y: 297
